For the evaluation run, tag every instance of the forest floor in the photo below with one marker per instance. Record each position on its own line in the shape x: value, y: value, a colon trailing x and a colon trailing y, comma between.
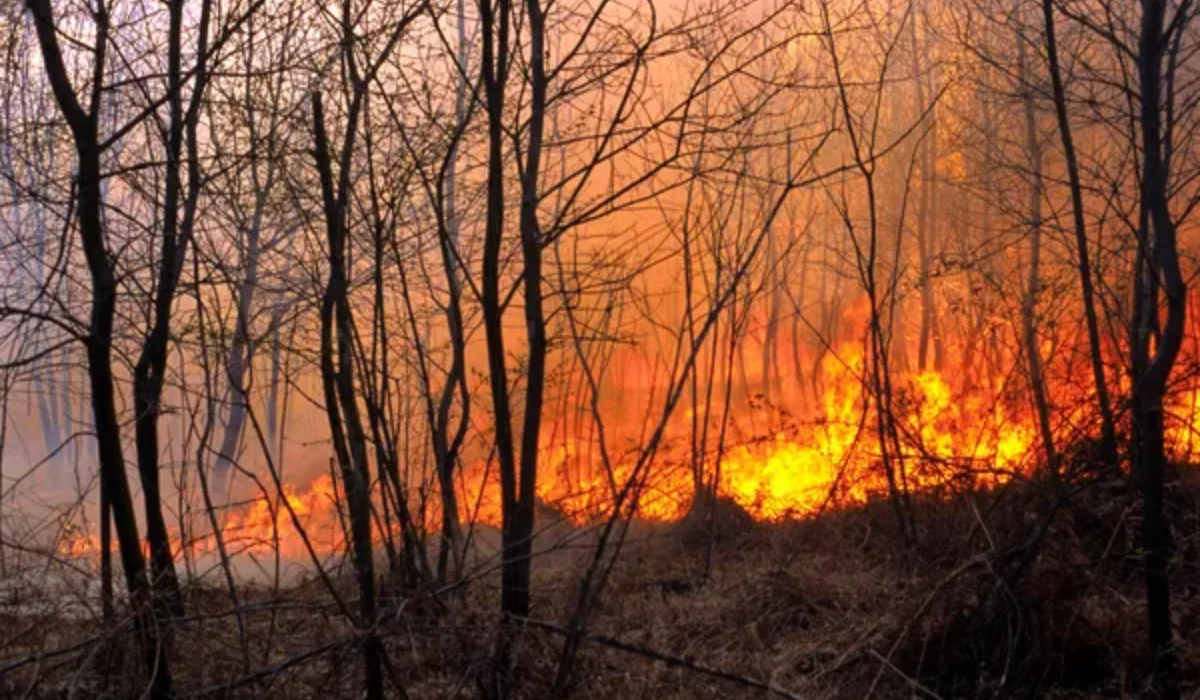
x: 976, y: 605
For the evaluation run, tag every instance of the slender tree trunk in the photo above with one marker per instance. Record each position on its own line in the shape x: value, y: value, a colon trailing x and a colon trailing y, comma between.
x: 341, y: 403
x: 148, y: 372
x: 241, y: 356
x: 495, y: 21
x: 446, y: 447
x: 925, y: 221
x: 1033, y: 353
x: 1107, y: 429
x: 107, y: 607
x: 274, y: 411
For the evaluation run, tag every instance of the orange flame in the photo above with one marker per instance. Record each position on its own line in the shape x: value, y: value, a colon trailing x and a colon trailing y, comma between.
x: 975, y: 435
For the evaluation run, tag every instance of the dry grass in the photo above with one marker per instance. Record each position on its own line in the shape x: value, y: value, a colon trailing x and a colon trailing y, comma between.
x: 837, y: 607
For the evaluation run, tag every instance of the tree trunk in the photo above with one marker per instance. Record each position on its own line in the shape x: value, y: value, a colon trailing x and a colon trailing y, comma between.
x: 519, y: 504
x: 446, y: 447
x: 341, y: 404
x: 1151, y: 375
x: 84, y: 128
x: 1107, y: 429
x: 929, y: 332
x: 148, y: 372
x: 1033, y: 354
x: 241, y: 356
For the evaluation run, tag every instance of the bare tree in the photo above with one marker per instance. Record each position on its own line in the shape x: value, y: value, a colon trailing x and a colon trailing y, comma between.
x: 1158, y: 276
x: 177, y: 233
x: 1107, y: 423
x: 115, y: 499
x: 337, y: 318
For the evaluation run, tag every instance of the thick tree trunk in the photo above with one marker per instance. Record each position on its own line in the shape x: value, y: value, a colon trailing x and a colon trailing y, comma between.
x: 1159, y: 262
x: 84, y: 128
x: 495, y: 74
x: 149, y: 372
x: 519, y: 523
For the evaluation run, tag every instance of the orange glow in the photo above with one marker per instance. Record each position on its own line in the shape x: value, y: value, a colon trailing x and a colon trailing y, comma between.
x: 954, y: 432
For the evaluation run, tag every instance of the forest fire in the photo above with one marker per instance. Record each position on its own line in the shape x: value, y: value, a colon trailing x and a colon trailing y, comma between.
x: 263, y: 525
x: 949, y: 439
x: 363, y: 312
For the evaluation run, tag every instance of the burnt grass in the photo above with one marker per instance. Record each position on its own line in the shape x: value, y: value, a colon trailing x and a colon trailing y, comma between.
x: 986, y: 601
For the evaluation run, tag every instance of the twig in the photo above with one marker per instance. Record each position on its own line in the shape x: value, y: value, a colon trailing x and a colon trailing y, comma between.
x: 908, y: 679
